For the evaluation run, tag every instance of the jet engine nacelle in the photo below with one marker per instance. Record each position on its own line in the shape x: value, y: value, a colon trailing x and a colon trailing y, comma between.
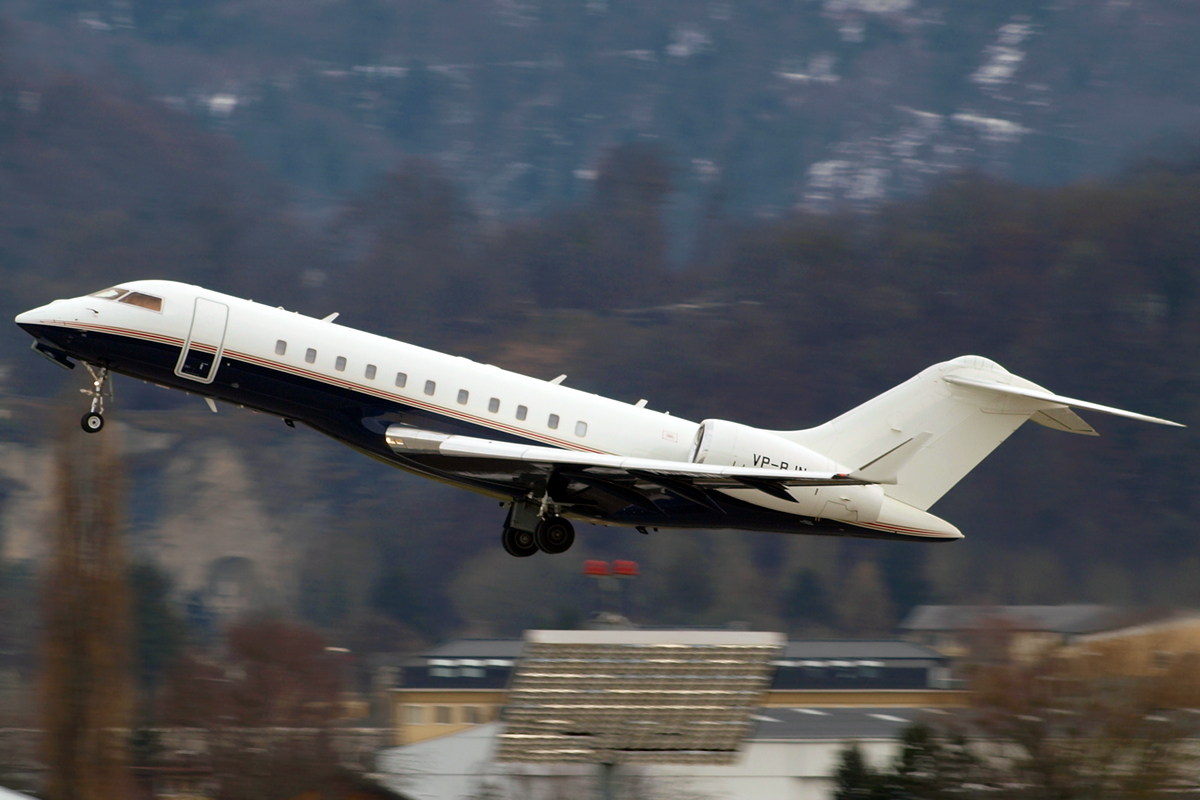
x: 730, y: 444
x: 723, y: 443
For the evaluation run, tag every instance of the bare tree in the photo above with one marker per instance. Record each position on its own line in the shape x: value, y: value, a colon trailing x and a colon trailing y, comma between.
x: 86, y: 690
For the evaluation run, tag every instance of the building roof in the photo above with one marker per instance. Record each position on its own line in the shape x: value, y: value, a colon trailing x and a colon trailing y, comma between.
x: 477, y: 648
x: 1065, y: 619
x: 840, y: 724
x: 856, y: 649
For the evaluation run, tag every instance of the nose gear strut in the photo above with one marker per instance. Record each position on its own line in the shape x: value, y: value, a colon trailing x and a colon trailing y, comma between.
x: 93, y: 421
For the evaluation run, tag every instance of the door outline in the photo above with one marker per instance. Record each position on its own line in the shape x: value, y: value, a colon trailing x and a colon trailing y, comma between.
x: 212, y: 308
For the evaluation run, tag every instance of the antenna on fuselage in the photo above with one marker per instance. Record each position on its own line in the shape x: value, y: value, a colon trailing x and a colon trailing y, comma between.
x: 330, y: 318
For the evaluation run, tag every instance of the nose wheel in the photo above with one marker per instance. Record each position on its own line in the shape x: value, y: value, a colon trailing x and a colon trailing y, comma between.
x: 93, y: 421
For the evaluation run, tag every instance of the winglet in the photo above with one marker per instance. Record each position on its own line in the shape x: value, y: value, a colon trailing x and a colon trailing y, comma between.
x: 886, y: 468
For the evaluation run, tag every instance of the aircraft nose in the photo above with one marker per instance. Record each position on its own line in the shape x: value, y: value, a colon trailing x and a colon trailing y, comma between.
x: 30, y: 317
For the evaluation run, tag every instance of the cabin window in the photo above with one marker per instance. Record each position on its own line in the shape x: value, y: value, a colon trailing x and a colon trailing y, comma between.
x: 369, y: 373
x: 522, y: 412
x: 494, y: 405
x: 142, y: 301
x: 401, y: 379
x: 581, y: 429
x: 280, y: 347
x: 430, y: 388
x: 463, y: 395
x: 340, y: 364
x: 310, y: 355
x: 553, y: 421
x: 109, y: 294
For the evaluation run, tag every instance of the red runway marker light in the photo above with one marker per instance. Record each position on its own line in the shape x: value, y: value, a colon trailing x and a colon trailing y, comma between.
x: 625, y: 569
x: 596, y: 568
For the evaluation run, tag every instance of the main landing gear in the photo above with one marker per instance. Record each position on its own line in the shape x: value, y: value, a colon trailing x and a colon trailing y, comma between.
x: 93, y: 421
x: 531, y: 527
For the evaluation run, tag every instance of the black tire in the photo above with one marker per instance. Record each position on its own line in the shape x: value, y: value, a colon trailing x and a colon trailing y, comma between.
x: 92, y: 422
x: 520, y: 544
x: 554, y: 535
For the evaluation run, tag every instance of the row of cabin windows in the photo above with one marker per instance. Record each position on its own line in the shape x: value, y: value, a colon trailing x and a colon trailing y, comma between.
x: 310, y: 356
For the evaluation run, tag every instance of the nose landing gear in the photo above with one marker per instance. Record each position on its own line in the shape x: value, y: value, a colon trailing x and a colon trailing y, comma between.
x: 93, y: 421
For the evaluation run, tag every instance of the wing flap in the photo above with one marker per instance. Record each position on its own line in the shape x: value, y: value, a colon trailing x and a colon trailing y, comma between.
x: 411, y: 441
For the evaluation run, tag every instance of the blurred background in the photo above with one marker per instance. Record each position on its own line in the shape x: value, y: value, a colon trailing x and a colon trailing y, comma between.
x: 761, y: 211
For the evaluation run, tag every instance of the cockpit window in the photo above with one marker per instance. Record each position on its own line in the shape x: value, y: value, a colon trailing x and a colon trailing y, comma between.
x: 110, y: 294
x: 143, y: 300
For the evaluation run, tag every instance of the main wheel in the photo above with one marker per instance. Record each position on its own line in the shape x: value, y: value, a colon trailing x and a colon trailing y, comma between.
x: 518, y: 543
x: 92, y: 422
x: 554, y: 535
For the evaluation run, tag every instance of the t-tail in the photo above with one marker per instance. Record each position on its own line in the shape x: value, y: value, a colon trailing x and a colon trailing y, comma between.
x: 922, y: 437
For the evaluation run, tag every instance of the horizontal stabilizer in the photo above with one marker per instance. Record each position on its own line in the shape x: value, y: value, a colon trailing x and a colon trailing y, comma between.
x: 886, y: 468
x: 1063, y: 419
x: 1039, y: 394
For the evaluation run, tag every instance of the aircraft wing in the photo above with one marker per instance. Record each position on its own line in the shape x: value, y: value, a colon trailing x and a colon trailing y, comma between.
x: 629, y: 480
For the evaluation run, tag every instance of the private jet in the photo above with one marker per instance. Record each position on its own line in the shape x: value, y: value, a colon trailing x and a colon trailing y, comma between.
x: 548, y: 452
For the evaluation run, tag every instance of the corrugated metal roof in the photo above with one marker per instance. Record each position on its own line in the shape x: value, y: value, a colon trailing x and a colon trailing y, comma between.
x: 1069, y: 619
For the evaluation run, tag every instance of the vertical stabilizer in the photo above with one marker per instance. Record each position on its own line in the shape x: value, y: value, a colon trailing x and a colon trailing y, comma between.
x: 955, y: 423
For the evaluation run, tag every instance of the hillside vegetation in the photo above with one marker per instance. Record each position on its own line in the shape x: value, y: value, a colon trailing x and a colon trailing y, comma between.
x: 1089, y: 289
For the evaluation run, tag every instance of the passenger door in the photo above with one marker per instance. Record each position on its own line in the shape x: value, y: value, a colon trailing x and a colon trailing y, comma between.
x: 202, y: 351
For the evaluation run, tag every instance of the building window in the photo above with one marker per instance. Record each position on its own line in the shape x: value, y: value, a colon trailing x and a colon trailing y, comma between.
x: 414, y: 715
x: 522, y: 412
x: 280, y: 347
x: 471, y: 715
x: 581, y: 429
x: 553, y: 421
x: 401, y: 379
x: 443, y: 715
x: 310, y: 355
x: 370, y: 373
x: 494, y: 405
x: 430, y: 388
x: 463, y: 394
x: 340, y: 364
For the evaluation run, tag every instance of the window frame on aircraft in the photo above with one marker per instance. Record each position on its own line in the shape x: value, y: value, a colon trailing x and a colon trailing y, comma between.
x: 552, y: 422
x: 463, y: 397
x: 107, y: 294
x: 581, y: 429
x: 430, y: 388
x: 142, y: 300
x: 522, y: 412
x: 339, y: 363
x: 494, y: 405
x: 369, y: 372
x: 280, y: 347
x: 310, y: 356
x: 401, y: 380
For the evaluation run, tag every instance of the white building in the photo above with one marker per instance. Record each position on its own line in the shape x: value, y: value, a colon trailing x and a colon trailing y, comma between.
x: 791, y: 755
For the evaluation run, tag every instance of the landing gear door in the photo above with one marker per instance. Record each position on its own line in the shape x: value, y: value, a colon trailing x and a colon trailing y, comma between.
x: 204, y: 346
